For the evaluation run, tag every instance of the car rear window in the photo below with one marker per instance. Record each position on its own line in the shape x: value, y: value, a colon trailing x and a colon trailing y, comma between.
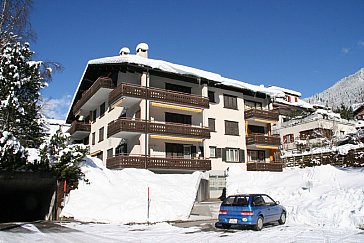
x: 236, y: 201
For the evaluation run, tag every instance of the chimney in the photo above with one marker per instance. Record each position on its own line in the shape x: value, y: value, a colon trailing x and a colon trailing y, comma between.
x: 142, y: 50
x: 124, y: 51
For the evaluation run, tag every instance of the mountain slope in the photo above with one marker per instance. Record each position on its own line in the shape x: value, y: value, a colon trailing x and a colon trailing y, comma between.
x: 347, y: 91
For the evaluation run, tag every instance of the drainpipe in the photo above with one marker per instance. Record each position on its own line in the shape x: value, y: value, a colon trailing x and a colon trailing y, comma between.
x: 146, y: 147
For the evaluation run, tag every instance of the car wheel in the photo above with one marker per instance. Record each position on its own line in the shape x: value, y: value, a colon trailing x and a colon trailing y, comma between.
x: 259, y: 225
x: 282, y: 219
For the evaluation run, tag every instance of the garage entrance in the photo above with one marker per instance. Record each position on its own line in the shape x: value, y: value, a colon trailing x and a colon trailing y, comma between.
x: 27, y: 196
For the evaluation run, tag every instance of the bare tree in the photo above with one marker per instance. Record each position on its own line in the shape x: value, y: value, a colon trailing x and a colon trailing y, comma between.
x: 14, y: 21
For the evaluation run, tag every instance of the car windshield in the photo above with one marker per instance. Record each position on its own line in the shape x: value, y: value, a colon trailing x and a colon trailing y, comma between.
x: 236, y: 201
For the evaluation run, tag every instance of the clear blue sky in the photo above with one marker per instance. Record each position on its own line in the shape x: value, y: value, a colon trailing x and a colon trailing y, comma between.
x: 302, y: 45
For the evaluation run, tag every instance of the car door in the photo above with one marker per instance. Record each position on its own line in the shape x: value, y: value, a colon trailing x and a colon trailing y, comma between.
x: 259, y: 207
x: 273, y: 209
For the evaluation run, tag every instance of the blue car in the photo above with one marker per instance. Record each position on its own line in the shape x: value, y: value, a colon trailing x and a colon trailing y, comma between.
x: 251, y: 210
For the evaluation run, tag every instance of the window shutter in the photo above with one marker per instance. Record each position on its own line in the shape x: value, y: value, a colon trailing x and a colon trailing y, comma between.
x: 218, y: 152
x: 242, y: 155
x: 223, y: 154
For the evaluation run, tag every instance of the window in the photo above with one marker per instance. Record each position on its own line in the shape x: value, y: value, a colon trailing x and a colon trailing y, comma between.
x: 94, y: 115
x: 93, y: 138
x: 288, y: 138
x: 101, y: 134
x: 252, y: 105
x: 268, y: 201
x: 258, y: 201
x: 255, y: 129
x: 232, y: 155
x: 121, y: 149
x: 212, y: 124
x: 102, y: 109
x: 212, y: 152
x: 178, y: 118
x: 109, y: 153
x: 231, y: 128
x: 230, y: 102
x: 211, y: 96
x: 178, y: 88
x: 256, y: 155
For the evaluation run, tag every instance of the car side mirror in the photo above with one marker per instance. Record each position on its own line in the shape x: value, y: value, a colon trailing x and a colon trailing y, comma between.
x: 277, y: 202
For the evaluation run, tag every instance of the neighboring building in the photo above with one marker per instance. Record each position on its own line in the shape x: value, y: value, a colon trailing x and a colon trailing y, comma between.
x: 359, y: 111
x: 137, y: 112
x: 52, y: 125
x: 319, y: 129
x: 290, y: 105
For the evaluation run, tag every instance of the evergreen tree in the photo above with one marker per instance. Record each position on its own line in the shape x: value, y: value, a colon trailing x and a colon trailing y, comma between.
x: 20, y: 85
x: 345, y: 112
x: 12, y: 156
x: 63, y: 159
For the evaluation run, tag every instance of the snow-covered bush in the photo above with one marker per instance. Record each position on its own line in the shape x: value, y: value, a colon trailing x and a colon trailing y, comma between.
x: 63, y: 158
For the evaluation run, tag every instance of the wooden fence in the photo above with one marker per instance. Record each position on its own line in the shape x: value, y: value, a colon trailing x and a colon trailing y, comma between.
x: 354, y: 158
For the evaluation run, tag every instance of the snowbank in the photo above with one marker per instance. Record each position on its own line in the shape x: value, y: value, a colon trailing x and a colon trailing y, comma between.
x: 121, y: 196
x: 316, y: 196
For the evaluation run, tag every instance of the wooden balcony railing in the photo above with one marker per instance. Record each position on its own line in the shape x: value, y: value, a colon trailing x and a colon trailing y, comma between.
x: 156, y: 94
x: 177, y: 129
x: 148, y: 162
x: 79, y: 126
x: 124, y: 89
x: 101, y: 82
x: 271, y: 115
x: 263, y: 139
x: 262, y: 166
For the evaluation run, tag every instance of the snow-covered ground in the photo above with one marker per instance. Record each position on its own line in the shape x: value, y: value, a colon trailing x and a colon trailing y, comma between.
x: 322, y: 196
x: 163, y: 232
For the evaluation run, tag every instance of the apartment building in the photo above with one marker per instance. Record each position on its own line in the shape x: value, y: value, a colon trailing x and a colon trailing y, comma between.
x: 319, y: 129
x: 138, y: 112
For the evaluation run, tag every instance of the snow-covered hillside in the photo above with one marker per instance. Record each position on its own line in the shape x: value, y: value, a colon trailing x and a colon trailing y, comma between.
x: 347, y: 91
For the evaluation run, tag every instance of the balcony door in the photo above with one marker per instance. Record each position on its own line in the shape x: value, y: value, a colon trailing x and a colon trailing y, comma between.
x: 178, y: 118
x: 185, y: 151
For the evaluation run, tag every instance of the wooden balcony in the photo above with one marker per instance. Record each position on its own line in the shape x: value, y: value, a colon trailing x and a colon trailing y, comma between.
x: 263, y: 140
x: 132, y: 90
x: 263, y: 166
x: 102, y: 82
x: 142, y: 126
x: 157, y: 163
x: 79, y: 129
x: 270, y: 115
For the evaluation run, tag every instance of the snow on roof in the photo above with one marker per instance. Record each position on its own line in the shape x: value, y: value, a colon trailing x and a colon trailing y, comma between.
x: 288, y: 91
x: 357, y: 106
x: 299, y: 103
x: 185, y: 70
